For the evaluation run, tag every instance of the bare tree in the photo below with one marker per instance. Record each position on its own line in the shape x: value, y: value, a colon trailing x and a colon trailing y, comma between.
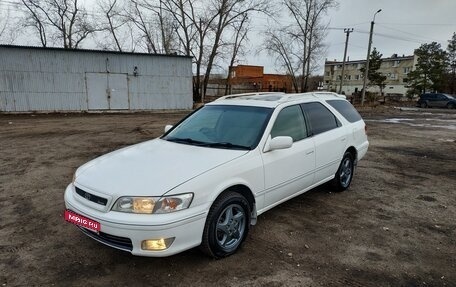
x: 316, y: 34
x: 451, y: 54
x: 202, y: 29
x: 7, y: 32
x: 278, y: 42
x: 166, y: 28
x: 112, y: 21
x: 202, y: 26
x: 137, y: 16
x: 4, y: 17
x: 155, y: 24
x: 193, y: 29
x: 226, y: 12
x: 33, y: 19
x: 241, y: 29
x: 63, y: 21
x: 181, y: 12
x: 302, y: 40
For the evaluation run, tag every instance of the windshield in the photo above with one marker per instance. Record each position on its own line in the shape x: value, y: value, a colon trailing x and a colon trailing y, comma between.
x: 222, y: 126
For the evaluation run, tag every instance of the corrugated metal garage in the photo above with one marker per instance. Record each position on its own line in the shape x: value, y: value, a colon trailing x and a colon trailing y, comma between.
x: 55, y: 79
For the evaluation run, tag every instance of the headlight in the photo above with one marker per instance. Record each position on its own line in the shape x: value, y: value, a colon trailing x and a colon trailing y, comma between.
x: 149, y: 205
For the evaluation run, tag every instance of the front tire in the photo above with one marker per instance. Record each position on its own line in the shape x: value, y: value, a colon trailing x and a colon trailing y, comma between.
x: 451, y: 105
x: 344, y: 174
x: 227, y: 225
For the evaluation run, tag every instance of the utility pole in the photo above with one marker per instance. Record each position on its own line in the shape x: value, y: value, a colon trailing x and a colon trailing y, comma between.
x: 346, y: 31
x: 366, y: 68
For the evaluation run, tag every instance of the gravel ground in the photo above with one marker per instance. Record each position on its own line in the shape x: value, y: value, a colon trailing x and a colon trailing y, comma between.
x: 395, y: 226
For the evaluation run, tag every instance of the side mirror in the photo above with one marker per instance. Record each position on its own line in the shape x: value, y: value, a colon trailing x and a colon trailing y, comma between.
x: 281, y: 142
x: 168, y: 127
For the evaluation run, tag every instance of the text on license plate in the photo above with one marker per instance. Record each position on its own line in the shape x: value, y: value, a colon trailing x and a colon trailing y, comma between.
x: 83, y: 221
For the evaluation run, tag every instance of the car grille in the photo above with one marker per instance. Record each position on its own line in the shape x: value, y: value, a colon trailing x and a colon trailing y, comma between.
x: 118, y: 242
x: 91, y: 197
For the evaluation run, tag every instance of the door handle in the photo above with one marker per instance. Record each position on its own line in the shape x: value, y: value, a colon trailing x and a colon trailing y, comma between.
x: 309, y: 152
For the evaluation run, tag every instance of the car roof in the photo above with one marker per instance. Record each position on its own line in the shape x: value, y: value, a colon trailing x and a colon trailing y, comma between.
x: 274, y: 99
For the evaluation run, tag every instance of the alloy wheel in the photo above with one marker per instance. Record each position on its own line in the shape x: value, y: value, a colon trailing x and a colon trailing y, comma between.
x: 230, y: 227
x: 346, y: 172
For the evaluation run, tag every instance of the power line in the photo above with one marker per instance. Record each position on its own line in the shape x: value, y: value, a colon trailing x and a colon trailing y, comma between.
x: 356, y: 24
x: 406, y: 39
x: 337, y: 44
x: 356, y: 46
x: 417, y: 24
x: 399, y: 38
x: 408, y: 33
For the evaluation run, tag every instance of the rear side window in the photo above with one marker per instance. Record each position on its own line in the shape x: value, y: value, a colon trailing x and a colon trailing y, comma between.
x: 320, y: 118
x: 346, y: 110
x: 426, y: 96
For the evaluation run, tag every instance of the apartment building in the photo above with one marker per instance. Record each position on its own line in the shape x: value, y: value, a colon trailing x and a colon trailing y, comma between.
x: 395, y: 68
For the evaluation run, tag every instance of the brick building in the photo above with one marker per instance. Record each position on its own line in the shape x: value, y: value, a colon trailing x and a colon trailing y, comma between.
x: 254, y: 78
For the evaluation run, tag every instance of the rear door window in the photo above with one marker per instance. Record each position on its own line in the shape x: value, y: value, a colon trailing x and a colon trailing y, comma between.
x: 320, y: 118
x: 346, y: 110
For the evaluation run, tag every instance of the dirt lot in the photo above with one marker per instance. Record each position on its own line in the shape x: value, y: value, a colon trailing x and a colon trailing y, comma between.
x: 396, y: 226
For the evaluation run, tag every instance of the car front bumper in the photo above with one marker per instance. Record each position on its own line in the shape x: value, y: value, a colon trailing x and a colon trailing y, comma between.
x: 185, y: 228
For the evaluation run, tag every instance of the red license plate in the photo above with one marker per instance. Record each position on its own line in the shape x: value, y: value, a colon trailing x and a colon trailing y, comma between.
x: 83, y: 221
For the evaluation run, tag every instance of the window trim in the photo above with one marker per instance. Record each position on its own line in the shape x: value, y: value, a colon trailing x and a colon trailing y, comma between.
x: 303, y: 116
x: 338, y: 113
x: 307, y: 119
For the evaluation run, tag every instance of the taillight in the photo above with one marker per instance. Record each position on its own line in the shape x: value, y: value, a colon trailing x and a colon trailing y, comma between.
x: 365, y: 129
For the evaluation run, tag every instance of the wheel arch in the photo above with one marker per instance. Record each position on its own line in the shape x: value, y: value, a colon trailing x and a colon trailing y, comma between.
x: 247, y: 193
x: 354, y: 153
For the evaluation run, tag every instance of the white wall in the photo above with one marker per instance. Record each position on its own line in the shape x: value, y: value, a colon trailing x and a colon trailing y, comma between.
x: 40, y: 79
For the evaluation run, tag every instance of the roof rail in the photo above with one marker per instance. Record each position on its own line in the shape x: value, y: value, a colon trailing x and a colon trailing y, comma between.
x: 290, y: 97
x: 249, y: 94
x: 330, y: 93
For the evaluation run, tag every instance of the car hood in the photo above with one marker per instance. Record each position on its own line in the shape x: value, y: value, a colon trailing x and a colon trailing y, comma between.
x: 151, y: 168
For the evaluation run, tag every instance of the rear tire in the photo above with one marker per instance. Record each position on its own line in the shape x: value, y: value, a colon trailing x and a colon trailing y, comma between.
x: 227, y: 225
x: 344, y: 174
x: 424, y: 105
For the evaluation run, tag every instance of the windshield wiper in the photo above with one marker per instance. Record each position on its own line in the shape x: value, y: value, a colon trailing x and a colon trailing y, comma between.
x: 186, y: 141
x: 207, y: 144
x: 227, y: 145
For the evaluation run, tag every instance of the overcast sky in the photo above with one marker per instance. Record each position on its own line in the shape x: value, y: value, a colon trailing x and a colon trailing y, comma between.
x: 401, y: 27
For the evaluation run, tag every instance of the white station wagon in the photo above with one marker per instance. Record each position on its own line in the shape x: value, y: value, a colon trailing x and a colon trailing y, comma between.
x: 205, y: 181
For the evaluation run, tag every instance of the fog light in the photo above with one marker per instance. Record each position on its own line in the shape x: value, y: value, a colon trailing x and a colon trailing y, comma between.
x: 157, y: 244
